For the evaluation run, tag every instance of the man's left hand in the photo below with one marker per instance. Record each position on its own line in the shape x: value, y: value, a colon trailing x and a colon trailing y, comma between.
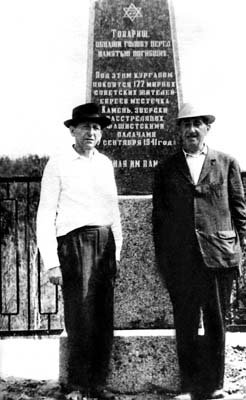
x: 55, y: 276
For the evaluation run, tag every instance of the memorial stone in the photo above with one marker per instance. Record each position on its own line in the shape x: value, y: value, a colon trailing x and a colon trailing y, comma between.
x: 132, y: 76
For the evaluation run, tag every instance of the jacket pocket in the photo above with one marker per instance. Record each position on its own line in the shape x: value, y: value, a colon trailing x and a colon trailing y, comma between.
x: 220, y: 249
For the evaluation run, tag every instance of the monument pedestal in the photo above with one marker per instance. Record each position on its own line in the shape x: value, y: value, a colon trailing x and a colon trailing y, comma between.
x: 145, y: 361
x: 142, y: 361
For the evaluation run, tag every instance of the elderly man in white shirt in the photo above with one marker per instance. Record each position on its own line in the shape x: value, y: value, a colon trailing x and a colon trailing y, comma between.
x: 79, y: 237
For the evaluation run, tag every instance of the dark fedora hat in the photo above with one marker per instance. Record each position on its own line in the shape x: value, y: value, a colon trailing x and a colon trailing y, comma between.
x: 87, y: 112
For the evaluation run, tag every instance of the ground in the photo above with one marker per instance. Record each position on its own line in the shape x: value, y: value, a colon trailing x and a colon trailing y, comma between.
x: 25, y: 389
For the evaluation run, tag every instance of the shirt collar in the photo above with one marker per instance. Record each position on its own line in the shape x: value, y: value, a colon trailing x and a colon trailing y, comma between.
x: 204, y: 151
x: 75, y: 156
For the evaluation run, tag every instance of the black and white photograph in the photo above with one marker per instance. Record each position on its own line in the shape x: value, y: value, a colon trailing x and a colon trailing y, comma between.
x: 122, y: 200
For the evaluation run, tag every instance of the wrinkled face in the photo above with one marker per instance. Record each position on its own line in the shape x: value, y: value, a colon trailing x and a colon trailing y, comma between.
x: 193, y: 132
x: 86, y: 135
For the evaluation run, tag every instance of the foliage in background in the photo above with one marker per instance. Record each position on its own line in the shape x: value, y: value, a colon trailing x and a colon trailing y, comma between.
x: 31, y: 165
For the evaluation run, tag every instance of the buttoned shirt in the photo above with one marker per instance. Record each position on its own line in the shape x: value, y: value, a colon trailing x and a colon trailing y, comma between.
x: 195, y: 163
x: 76, y: 191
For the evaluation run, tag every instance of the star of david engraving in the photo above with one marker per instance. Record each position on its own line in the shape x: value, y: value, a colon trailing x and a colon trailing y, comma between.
x: 132, y: 12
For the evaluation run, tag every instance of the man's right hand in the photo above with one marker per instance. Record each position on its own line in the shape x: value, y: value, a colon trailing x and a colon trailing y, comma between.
x: 55, y: 276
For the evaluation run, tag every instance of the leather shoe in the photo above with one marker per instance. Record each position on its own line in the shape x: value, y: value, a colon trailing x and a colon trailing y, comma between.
x: 218, y: 394
x: 221, y: 394
x: 103, y: 394
x: 74, y: 395
x: 183, y: 396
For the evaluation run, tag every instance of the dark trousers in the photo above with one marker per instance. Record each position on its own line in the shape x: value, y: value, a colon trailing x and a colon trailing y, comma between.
x: 87, y: 258
x: 197, y: 291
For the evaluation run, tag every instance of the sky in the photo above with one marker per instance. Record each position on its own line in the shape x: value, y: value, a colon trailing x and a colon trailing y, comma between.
x: 44, y: 65
x: 212, y: 59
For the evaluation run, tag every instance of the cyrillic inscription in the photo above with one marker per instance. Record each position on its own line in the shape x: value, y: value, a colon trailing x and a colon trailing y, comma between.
x: 134, y: 81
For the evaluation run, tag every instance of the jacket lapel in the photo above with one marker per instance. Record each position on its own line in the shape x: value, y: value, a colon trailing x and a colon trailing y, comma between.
x: 182, y: 166
x: 209, y: 163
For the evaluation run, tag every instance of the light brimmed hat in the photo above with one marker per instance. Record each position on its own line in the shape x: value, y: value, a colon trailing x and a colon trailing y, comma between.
x: 188, y: 110
x: 88, y: 112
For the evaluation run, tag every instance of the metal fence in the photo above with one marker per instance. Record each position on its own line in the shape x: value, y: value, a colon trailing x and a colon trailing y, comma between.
x: 29, y: 304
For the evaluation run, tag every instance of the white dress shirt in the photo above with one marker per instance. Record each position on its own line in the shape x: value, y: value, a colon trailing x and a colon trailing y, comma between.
x: 76, y: 191
x: 195, y: 163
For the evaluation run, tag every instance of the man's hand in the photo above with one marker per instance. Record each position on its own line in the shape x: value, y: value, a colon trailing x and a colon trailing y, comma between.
x: 55, y: 276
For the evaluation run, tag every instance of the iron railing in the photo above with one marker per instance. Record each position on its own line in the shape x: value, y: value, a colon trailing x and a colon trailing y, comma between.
x: 29, y: 304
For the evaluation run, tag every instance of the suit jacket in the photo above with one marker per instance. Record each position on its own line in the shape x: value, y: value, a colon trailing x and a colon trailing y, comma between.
x: 210, y: 215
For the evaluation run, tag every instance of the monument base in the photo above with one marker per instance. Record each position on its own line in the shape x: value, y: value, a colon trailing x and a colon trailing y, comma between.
x: 140, y: 362
x: 145, y: 361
